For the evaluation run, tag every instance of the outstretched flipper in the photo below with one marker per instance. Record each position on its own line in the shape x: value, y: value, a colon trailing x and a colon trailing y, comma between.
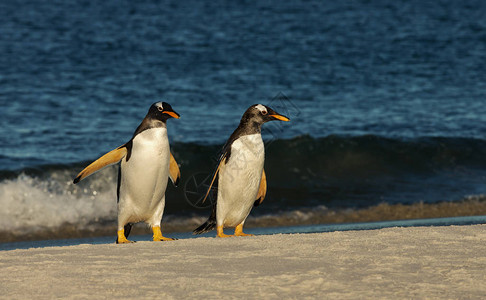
x: 108, y: 159
x: 262, y: 191
x: 174, y: 172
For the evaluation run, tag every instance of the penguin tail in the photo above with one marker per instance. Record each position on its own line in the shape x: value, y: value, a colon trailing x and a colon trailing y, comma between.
x: 209, y: 225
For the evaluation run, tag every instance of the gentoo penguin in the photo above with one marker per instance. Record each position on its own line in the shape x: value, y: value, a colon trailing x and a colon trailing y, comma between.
x: 242, y: 182
x: 146, y: 164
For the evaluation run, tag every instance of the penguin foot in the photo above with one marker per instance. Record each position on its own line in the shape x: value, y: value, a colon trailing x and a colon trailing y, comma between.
x: 158, y: 235
x: 121, y: 238
x: 239, y: 231
x: 221, y: 234
x: 243, y: 234
x: 163, y: 238
x: 124, y: 241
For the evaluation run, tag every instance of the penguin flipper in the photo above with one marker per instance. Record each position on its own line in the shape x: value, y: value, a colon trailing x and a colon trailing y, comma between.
x: 108, y: 159
x: 262, y: 191
x: 174, y: 172
x: 221, y: 160
x: 210, y: 224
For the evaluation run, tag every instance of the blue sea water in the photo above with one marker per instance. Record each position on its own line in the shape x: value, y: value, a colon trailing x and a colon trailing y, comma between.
x: 387, y: 98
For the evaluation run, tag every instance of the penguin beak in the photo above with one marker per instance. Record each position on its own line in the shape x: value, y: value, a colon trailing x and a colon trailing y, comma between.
x: 280, y: 117
x: 173, y: 114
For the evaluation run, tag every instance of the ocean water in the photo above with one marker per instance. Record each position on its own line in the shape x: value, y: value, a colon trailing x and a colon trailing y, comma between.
x: 386, y: 100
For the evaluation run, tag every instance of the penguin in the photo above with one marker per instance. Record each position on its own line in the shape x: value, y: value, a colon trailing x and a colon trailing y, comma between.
x: 242, y: 181
x: 146, y: 164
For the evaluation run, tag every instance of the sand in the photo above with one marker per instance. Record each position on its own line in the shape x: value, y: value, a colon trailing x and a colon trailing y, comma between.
x: 393, y: 263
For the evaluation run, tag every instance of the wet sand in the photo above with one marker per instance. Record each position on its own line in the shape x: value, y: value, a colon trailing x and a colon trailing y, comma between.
x: 418, y: 262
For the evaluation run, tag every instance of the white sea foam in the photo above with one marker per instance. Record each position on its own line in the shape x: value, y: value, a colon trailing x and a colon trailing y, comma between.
x: 30, y: 203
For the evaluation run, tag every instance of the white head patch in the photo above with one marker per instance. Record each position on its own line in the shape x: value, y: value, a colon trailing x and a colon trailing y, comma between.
x: 159, y: 105
x: 261, y: 108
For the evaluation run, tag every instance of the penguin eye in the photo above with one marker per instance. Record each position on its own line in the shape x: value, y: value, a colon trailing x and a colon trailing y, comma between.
x: 264, y: 112
x: 160, y: 108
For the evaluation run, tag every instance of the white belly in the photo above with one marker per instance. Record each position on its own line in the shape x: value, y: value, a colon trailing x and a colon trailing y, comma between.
x: 144, y: 177
x: 239, y: 180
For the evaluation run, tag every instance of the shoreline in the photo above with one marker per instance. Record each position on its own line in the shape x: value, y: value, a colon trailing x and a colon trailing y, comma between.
x: 319, y: 215
x: 413, y: 262
x: 141, y: 233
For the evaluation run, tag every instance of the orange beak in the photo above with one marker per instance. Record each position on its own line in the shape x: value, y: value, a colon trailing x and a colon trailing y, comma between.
x: 172, y: 114
x: 280, y: 117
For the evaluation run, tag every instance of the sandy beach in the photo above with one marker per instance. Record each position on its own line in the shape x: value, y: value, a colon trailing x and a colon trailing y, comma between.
x: 403, y: 263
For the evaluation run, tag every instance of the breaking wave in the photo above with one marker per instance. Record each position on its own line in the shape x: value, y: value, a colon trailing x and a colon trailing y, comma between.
x: 310, y: 181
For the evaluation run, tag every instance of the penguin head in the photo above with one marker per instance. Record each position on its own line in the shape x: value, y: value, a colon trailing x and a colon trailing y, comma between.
x: 162, y: 111
x: 260, y: 113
